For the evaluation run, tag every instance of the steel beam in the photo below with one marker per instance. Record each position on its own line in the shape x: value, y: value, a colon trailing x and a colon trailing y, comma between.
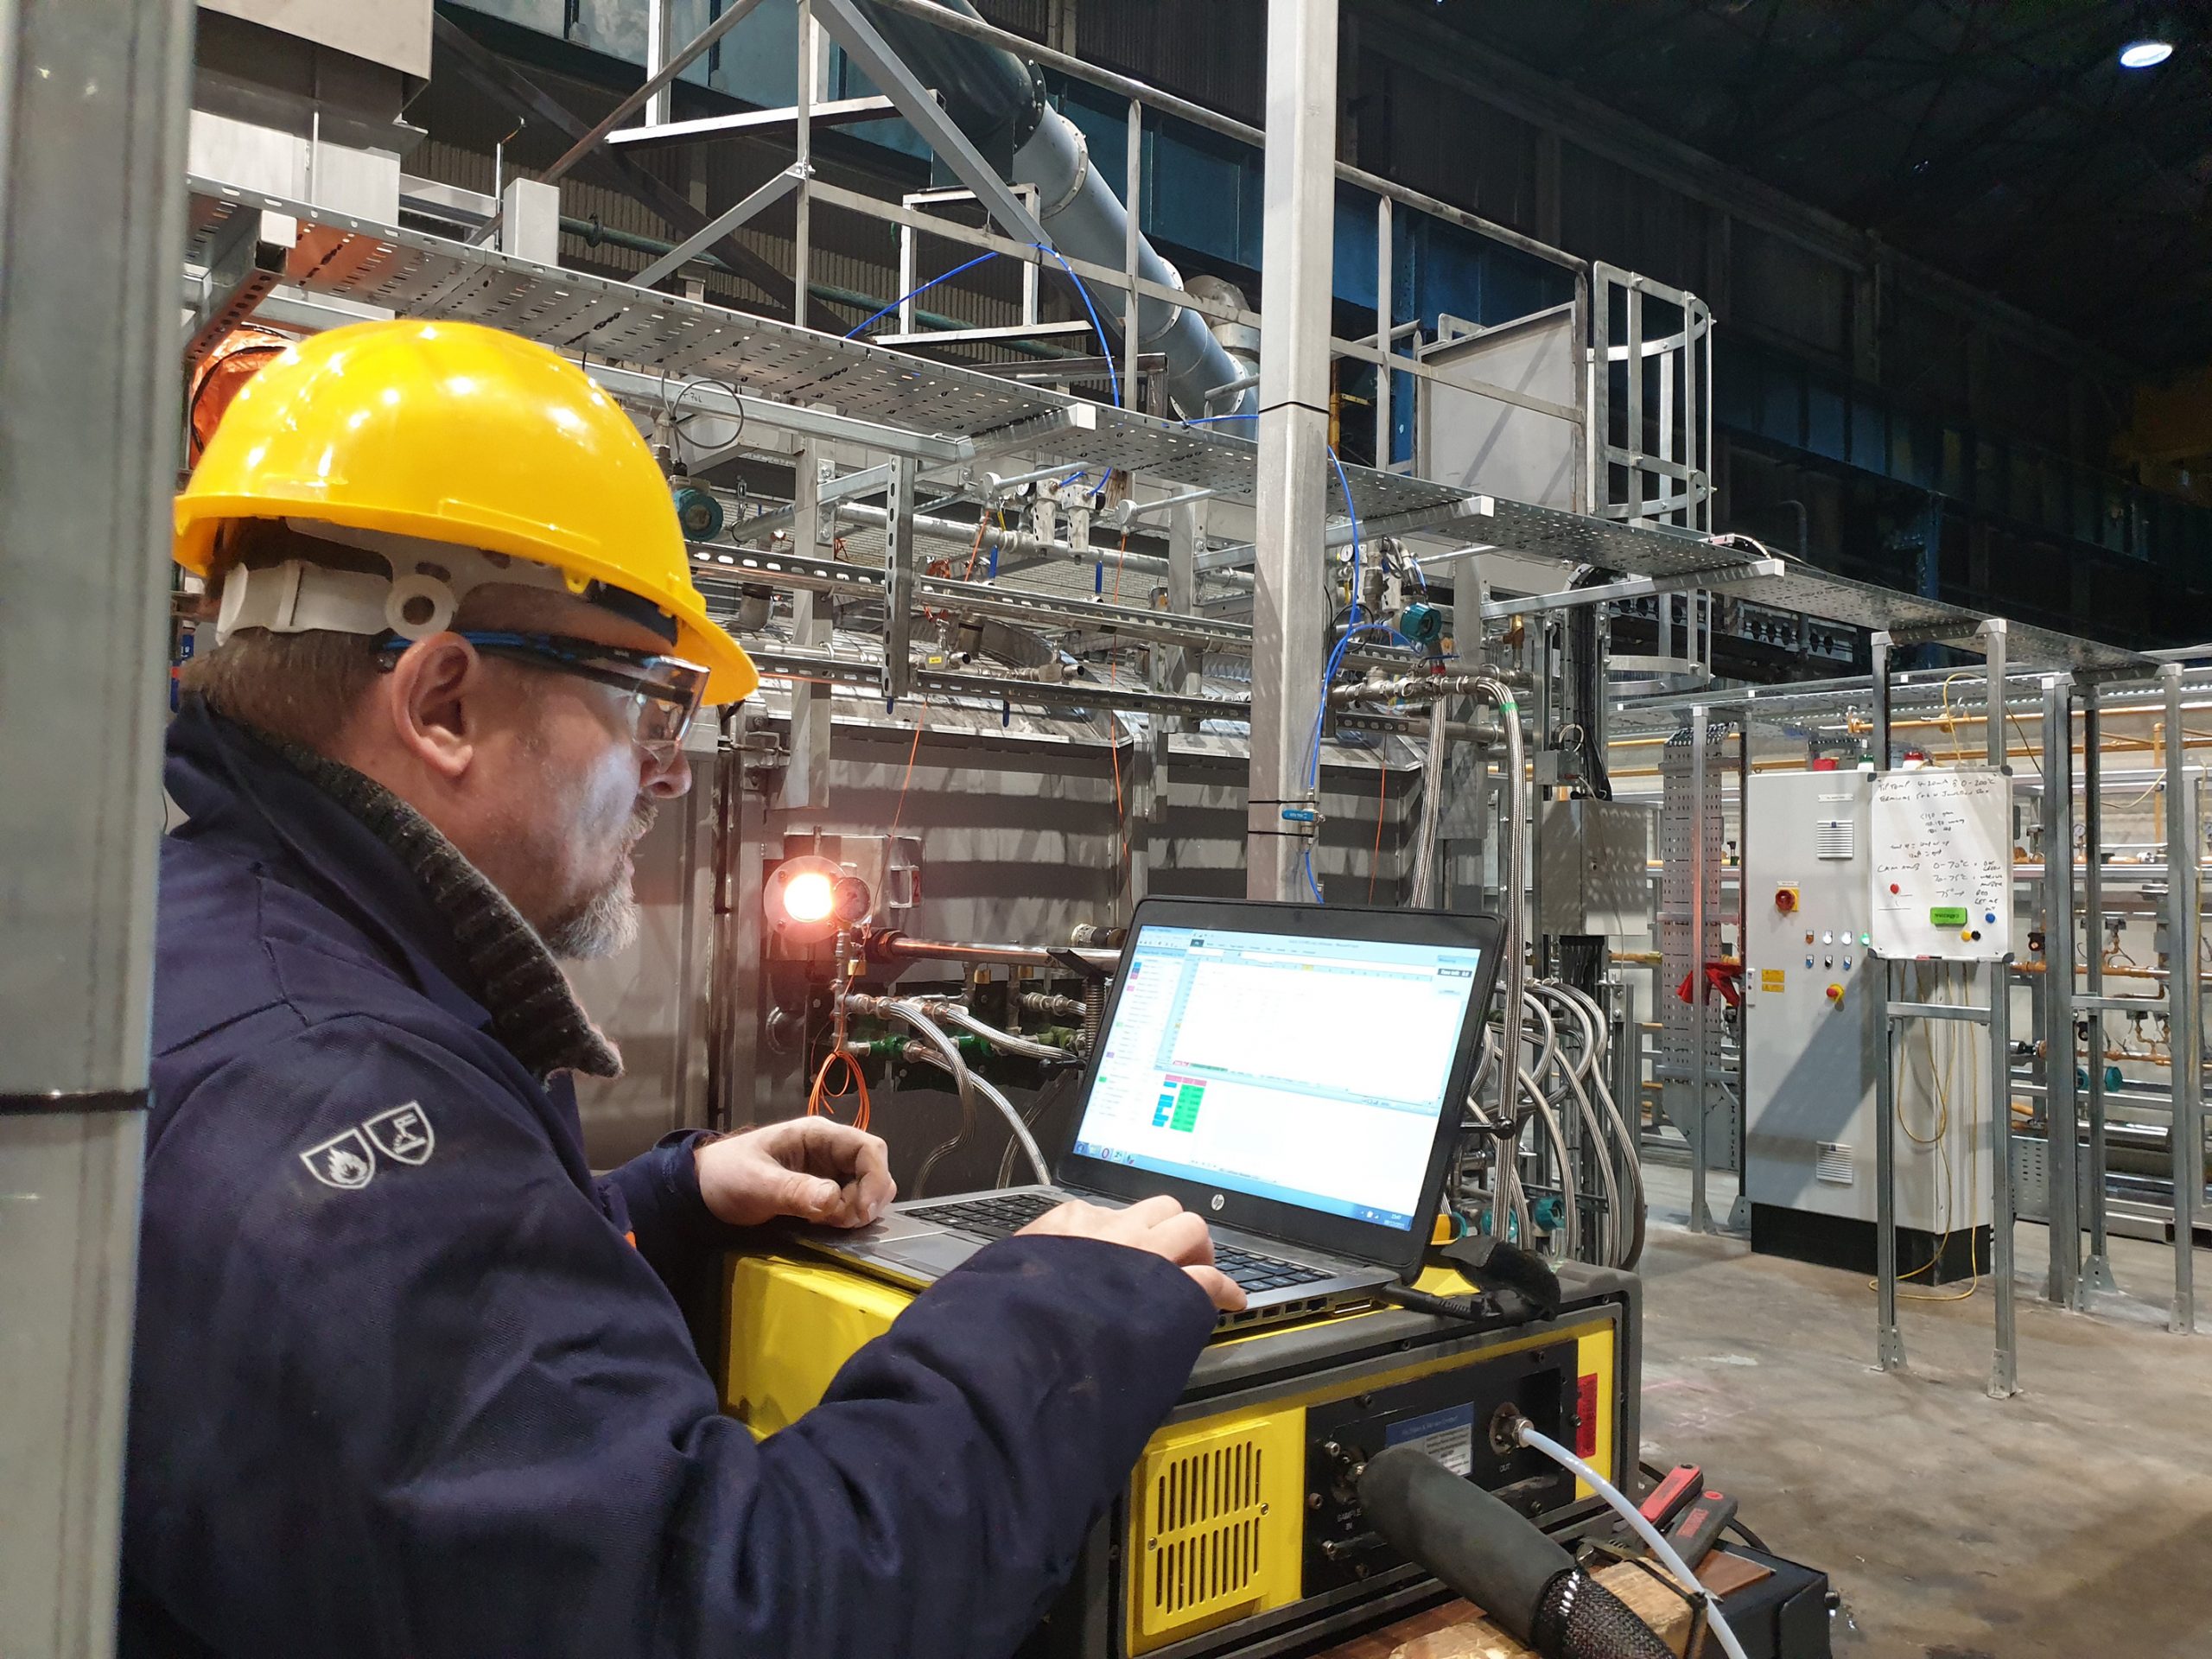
x: 2059, y: 945
x: 655, y: 85
x: 1289, y: 608
x: 720, y: 227
x: 1889, y: 1340
x: 94, y: 97
x: 867, y: 48
x: 2184, y: 925
x: 837, y: 112
x: 522, y: 95
x: 1700, y: 1003
x: 1629, y: 588
x: 899, y: 581
x: 806, y: 779
x: 2005, y: 1353
x: 2096, y: 1270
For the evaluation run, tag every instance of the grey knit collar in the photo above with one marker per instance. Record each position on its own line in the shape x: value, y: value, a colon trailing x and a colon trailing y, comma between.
x: 534, y: 1010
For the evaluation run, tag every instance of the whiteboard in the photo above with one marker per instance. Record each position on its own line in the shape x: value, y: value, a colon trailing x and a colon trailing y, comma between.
x: 1941, y: 841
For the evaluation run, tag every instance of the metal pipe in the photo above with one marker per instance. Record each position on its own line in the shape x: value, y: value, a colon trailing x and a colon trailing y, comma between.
x: 996, y: 98
x: 1432, y: 810
x: 1516, y: 863
x: 898, y: 945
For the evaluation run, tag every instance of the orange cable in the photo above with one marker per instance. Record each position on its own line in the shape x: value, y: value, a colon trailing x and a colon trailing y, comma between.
x: 920, y: 715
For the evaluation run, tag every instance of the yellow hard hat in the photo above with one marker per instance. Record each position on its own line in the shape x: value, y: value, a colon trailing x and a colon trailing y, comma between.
x: 456, y: 433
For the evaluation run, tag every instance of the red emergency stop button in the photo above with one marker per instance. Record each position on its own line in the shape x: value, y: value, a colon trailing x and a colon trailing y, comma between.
x: 1835, y: 995
x: 1785, y: 899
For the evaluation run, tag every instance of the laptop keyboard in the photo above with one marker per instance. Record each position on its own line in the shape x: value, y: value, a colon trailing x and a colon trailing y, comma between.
x: 996, y: 1217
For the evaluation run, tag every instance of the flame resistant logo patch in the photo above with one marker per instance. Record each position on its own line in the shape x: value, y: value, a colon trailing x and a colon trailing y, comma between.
x: 348, y: 1161
x: 345, y: 1161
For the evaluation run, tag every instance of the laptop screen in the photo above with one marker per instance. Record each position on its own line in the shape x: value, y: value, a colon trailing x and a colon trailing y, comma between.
x: 1308, y: 1070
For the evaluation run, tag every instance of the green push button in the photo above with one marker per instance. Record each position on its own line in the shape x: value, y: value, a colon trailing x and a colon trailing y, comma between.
x: 1949, y: 916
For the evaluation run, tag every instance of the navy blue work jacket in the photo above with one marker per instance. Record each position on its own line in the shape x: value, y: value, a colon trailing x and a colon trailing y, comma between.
x: 402, y: 1386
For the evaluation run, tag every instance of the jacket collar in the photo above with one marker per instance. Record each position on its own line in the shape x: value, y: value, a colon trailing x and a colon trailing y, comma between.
x: 327, y: 830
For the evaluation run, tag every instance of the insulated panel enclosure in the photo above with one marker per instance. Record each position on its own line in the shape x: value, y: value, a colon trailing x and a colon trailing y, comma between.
x: 1941, y: 868
x: 1485, y: 444
x: 1813, y: 999
x: 1592, y: 872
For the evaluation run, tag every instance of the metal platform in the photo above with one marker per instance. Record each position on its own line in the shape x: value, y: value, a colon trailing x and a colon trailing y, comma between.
x: 343, y: 258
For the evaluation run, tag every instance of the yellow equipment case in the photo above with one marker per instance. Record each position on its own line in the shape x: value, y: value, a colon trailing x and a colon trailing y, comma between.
x: 1238, y: 1533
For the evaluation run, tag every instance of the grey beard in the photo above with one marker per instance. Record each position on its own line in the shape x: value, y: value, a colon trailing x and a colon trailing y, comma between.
x: 607, y: 924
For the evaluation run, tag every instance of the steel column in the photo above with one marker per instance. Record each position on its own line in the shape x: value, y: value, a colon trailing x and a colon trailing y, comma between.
x: 2004, y: 1364
x: 803, y: 159
x: 1383, y: 250
x: 1289, y: 608
x: 1701, y: 1012
x: 2185, y: 1001
x: 2062, y: 1117
x: 1889, y: 1341
x: 899, y: 581
x: 93, y: 95
x: 806, y: 780
x: 1132, y: 251
x: 2096, y: 1271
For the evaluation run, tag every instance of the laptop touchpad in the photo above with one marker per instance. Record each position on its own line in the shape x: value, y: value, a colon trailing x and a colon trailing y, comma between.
x: 938, y: 1253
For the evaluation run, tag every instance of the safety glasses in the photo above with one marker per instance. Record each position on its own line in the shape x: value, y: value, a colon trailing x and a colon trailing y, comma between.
x: 664, y: 692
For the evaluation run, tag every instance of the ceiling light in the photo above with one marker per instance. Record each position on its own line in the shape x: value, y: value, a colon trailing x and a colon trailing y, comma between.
x: 2145, y: 54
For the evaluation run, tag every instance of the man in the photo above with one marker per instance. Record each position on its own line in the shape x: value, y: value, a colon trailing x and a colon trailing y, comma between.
x: 409, y: 1380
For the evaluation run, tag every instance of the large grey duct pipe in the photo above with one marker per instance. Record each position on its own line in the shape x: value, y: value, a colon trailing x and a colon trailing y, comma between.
x: 998, y: 101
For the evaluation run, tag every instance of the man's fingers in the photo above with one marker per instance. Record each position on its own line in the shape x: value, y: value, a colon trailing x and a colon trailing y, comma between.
x: 1183, y: 1239
x: 1151, y: 1211
x: 812, y: 1196
x: 1224, y: 1292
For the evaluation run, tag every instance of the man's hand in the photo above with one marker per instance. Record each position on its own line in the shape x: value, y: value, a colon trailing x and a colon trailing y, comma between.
x: 1158, y: 1224
x: 805, y: 1167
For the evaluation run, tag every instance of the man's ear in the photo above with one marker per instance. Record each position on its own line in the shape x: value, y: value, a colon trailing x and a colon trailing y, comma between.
x: 432, y: 701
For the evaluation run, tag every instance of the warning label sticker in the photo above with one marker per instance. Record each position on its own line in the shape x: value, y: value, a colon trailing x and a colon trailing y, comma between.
x: 1769, y: 979
x: 1448, y: 1436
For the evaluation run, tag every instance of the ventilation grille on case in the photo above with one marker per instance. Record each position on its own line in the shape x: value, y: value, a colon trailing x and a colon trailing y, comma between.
x: 1203, y: 1536
x: 1833, y: 1165
x: 1831, y: 838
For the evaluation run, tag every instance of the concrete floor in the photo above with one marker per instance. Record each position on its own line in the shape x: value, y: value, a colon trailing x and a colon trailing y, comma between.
x: 2074, y: 1519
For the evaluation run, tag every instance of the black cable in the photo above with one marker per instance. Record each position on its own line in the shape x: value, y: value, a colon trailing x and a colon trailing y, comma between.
x: 1748, y: 1536
x: 1449, y: 1308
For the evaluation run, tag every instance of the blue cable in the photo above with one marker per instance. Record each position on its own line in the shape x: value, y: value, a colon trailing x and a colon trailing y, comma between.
x: 979, y: 259
x: 1208, y: 420
x: 1105, y: 347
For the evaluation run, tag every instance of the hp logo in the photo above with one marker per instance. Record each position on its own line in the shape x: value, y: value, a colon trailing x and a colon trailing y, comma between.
x: 1216, y: 1201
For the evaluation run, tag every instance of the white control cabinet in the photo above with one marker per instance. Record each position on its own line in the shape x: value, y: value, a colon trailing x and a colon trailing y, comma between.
x: 1812, y: 1024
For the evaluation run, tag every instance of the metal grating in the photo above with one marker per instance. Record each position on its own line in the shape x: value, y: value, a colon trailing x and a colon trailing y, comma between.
x: 1833, y: 1165
x: 415, y: 274
x: 1834, y: 838
x: 423, y: 275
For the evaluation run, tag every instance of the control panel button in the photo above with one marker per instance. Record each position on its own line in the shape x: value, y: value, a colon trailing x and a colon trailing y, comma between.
x: 1835, y: 995
x: 1785, y: 899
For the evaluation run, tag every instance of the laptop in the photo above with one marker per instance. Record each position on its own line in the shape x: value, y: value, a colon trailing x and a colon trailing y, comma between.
x: 1293, y: 1074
